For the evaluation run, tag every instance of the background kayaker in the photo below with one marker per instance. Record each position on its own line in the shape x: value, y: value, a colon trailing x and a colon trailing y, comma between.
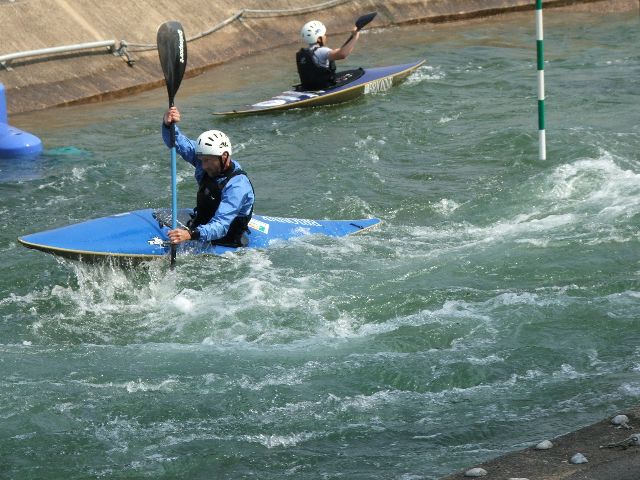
x: 316, y: 63
x: 225, y: 195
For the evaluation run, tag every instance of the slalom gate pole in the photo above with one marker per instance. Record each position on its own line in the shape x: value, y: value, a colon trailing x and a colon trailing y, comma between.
x: 542, y: 141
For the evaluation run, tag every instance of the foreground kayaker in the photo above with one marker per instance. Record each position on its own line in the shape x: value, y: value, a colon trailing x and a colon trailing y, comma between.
x: 225, y: 196
x: 316, y: 63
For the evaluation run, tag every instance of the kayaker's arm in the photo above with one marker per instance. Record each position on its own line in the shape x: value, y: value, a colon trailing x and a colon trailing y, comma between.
x: 344, y: 51
x: 184, y: 145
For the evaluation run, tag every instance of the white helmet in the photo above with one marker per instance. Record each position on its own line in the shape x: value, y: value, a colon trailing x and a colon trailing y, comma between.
x: 311, y: 31
x: 213, y: 142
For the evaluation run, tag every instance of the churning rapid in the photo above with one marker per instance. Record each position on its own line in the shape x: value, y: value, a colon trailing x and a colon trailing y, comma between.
x: 496, y: 305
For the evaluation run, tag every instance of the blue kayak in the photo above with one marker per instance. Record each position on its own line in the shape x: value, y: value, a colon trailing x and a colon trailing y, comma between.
x: 142, y: 235
x: 364, y: 81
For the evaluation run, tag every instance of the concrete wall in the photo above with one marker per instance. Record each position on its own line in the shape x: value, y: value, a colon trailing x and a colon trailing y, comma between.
x: 41, y: 82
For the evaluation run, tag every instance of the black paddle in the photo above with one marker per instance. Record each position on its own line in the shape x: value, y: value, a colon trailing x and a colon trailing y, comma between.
x: 361, y: 23
x: 172, y: 49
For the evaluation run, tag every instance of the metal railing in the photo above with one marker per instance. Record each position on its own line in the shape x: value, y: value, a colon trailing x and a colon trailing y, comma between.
x: 244, y: 13
x: 5, y: 60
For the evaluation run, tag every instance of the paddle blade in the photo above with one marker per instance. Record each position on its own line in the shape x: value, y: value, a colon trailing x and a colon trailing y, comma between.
x: 365, y: 19
x: 172, y: 49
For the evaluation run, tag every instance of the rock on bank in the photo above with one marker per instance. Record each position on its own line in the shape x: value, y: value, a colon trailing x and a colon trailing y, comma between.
x: 610, y: 454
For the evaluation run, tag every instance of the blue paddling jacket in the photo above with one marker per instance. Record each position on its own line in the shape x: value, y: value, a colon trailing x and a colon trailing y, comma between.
x: 236, y: 192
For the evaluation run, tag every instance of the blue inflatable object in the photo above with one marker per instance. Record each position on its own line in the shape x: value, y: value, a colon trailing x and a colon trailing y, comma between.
x: 142, y: 235
x: 13, y: 141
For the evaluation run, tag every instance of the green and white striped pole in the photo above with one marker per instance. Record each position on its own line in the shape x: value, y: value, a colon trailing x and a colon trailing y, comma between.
x: 542, y: 142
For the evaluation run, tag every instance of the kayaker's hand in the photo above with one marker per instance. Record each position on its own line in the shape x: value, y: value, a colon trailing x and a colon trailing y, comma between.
x: 179, y: 235
x: 171, y: 115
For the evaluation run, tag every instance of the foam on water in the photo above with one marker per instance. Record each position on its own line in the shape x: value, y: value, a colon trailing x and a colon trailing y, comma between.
x: 591, y: 199
x: 447, y: 119
x: 426, y: 73
x: 141, y: 386
x: 274, y: 441
x: 599, y: 182
x: 152, y: 302
x: 279, y: 305
x: 445, y: 206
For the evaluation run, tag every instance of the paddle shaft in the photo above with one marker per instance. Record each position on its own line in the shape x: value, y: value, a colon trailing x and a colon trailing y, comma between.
x: 174, y: 174
x: 174, y: 189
